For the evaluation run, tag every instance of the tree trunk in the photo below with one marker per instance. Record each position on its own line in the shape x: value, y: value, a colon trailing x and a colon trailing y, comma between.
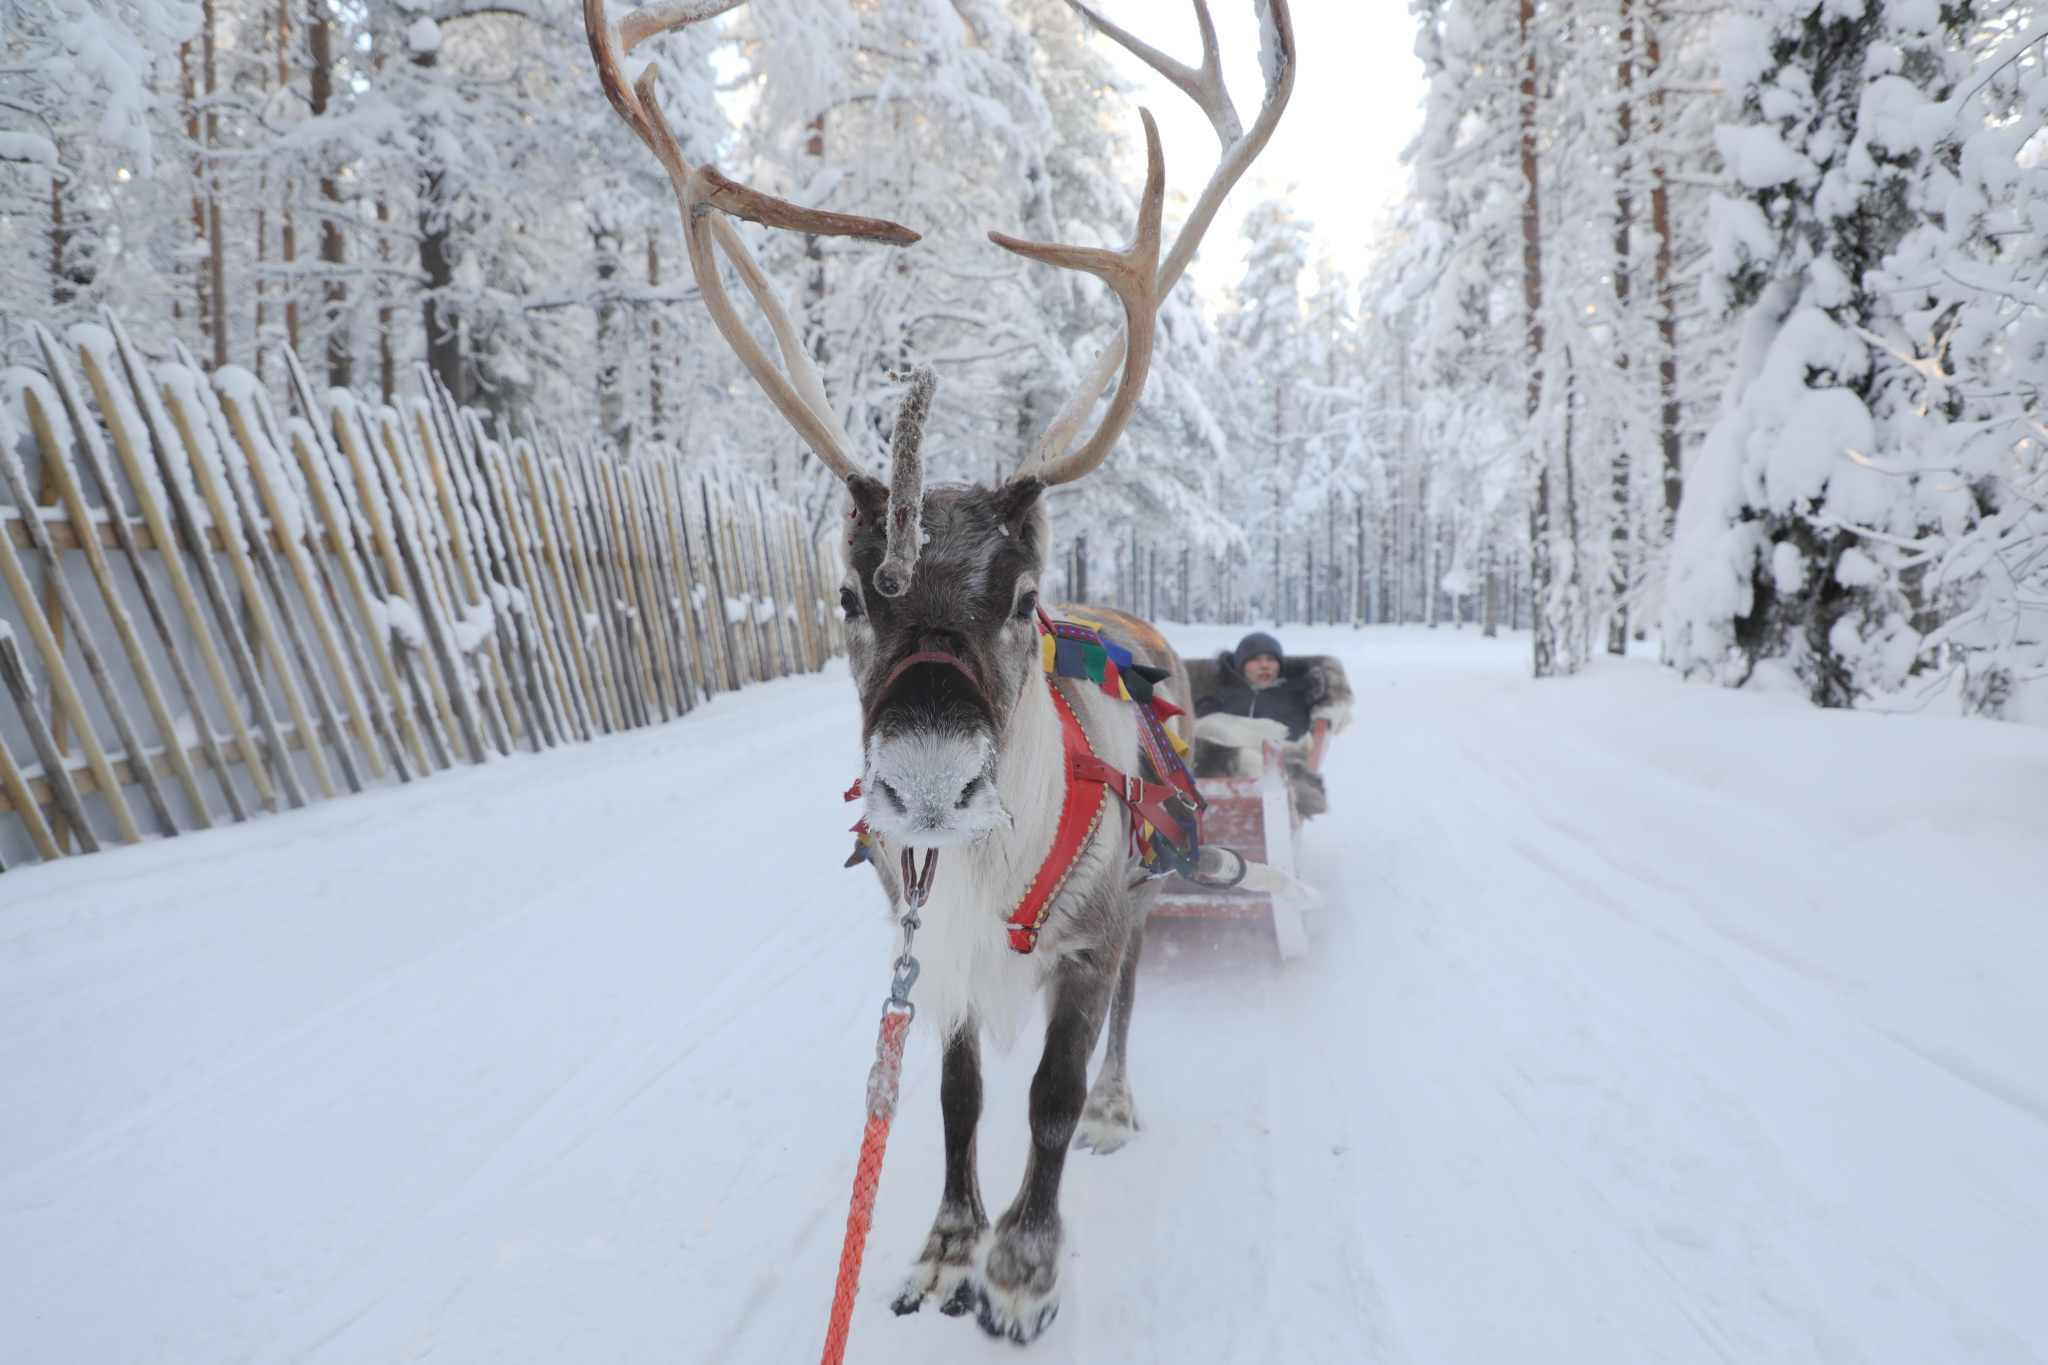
x: 611, y: 339
x: 286, y: 247
x: 1667, y: 290
x: 1490, y: 620
x: 1624, y: 219
x: 1544, y: 644
x: 333, y: 248
x: 387, y: 316
x: 657, y: 428
x: 61, y: 291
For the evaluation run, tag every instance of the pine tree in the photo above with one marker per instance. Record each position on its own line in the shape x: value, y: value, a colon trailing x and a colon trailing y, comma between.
x: 1771, y: 573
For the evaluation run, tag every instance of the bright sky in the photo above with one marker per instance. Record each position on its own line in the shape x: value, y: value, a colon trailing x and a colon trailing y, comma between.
x: 1357, y: 101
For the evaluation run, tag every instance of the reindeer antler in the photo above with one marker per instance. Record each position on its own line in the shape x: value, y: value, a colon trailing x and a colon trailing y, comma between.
x: 800, y: 396
x: 1049, y: 461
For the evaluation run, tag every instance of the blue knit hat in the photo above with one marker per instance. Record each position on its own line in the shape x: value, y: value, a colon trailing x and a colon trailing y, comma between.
x: 1252, y: 646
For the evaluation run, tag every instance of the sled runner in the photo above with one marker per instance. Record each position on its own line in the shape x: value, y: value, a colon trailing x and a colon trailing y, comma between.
x: 1257, y: 816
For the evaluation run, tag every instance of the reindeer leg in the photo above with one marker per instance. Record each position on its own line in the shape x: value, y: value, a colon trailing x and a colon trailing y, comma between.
x: 944, y: 1271
x: 1110, y: 1118
x: 1020, y: 1275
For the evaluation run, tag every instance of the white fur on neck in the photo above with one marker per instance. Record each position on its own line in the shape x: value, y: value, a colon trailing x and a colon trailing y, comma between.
x: 967, y: 967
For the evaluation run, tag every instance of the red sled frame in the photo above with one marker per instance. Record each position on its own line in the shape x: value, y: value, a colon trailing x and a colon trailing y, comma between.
x: 1255, y: 816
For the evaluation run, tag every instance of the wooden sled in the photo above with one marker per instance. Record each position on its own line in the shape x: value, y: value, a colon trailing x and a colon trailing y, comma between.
x: 1256, y: 817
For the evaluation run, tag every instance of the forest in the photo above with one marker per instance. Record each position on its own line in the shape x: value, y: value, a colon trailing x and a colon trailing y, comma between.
x: 1713, y: 330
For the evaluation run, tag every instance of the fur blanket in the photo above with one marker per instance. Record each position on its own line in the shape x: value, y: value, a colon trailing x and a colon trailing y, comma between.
x: 1233, y: 746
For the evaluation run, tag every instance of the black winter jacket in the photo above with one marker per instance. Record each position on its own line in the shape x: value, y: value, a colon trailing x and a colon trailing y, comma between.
x: 1288, y: 701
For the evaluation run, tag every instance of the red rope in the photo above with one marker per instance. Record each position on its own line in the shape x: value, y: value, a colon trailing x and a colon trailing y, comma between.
x: 883, y: 1080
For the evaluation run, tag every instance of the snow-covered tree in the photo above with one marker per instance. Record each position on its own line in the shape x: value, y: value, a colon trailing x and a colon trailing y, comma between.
x: 78, y: 146
x: 1784, y: 560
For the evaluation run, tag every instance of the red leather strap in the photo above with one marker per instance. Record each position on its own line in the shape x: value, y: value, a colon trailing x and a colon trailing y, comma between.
x: 1080, y: 813
x: 1146, y: 799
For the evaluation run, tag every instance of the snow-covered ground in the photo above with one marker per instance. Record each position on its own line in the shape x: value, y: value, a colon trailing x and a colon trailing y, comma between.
x: 1649, y: 1022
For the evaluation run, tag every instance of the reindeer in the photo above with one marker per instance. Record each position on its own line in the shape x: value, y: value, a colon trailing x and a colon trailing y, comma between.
x: 963, y: 732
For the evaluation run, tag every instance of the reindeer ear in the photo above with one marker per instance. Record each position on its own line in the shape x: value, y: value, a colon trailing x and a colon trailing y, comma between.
x: 871, y: 501
x: 1016, y: 502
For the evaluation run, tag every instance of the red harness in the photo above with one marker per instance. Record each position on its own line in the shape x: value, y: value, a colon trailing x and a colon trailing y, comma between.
x: 1079, y: 817
x: 1081, y: 811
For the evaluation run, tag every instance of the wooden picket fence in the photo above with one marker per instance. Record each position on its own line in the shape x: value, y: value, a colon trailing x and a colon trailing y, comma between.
x: 352, y: 595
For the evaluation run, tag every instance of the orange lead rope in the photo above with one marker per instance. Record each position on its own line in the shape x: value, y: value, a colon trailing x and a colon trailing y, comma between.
x: 884, y: 1079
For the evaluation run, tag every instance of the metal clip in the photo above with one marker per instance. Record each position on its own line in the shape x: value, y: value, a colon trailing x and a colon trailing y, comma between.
x: 917, y: 889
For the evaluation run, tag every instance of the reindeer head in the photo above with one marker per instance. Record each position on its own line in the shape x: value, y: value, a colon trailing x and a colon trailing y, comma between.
x: 941, y: 589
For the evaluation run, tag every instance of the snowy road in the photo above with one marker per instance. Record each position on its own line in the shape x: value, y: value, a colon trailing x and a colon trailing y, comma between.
x: 1648, y: 1023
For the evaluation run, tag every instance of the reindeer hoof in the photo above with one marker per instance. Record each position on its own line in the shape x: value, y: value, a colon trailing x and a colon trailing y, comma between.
x: 1109, y: 1121
x: 952, y: 1285
x: 1019, y: 1290
x: 1022, y: 1328
x: 946, y: 1275
x: 962, y: 1300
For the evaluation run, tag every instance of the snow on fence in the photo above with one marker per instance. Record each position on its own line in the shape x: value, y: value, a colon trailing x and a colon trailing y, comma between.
x: 352, y: 595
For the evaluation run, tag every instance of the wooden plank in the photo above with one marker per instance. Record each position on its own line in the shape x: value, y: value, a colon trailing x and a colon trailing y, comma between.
x: 15, y: 796
x: 728, y: 647
x: 72, y: 704
x: 513, y: 598
x: 742, y: 567
x: 648, y: 577
x: 465, y: 577
x: 522, y: 546
x: 580, y: 680
x: 161, y: 436
x: 1276, y: 798
x: 15, y: 678
x: 608, y: 556
x: 238, y: 461
x: 58, y: 470
x: 414, y: 531
x: 621, y: 515
x: 698, y: 668
x: 420, y: 574
x: 320, y: 469
x: 281, y: 503
x: 589, y: 587
x: 190, y: 414
x: 100, y: 374
x: 776, y: 587
x: 337, y: 611
x: 67, y: 538
x: 1216, y: 905
x: 674, y: 579
x: 472, y: 528
x: 789, y: 537
x: 369, y: 649
x: 553, y: 606
x: 588, y: 513
x: 711, y: 669
x: 365, y: 494
x: 46, y: 418
x: 355, y: 432
x: 185, y: 429
x: 41, y: 793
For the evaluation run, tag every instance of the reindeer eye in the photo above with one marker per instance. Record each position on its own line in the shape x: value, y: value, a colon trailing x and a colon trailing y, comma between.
x: 1026, y: 606
x: 848, y: 603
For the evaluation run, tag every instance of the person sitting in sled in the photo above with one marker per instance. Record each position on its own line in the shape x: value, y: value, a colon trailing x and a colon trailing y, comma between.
x: 1261, y: 694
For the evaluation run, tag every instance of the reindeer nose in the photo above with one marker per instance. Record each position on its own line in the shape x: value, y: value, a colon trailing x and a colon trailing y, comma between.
x: 931, y: 788
x: 962, y: 802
